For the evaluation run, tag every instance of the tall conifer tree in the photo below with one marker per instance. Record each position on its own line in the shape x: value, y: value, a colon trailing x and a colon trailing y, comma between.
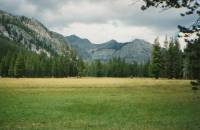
x: 19, y: 65
x: 156, y: 59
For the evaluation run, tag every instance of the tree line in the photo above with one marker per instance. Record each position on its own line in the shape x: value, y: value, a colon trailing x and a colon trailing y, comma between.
x: 116, y: 67
x: 22, y: 63
x: 191, y: 62
x: 29, y: 64
x: 166, y: 62
x: 171, y: 62
x: 16, y: 61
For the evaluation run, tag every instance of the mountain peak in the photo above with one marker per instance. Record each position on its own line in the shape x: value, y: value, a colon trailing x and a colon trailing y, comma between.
x: 137, y: 50
x: 74, y: 36
x: 32, y: 34
x: 76, y: 39
x: 112, y: 44
x: 112, y: 41
x: 139, y: 40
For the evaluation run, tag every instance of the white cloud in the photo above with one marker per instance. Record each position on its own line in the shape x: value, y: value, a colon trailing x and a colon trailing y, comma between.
x: 99, y: 33
x: 99, y: 20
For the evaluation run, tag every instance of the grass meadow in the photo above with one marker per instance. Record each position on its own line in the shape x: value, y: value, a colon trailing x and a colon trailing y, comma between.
x: 98, y: 104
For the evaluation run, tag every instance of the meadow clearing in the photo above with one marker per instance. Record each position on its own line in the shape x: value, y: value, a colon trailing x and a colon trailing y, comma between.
x: 98, y: 104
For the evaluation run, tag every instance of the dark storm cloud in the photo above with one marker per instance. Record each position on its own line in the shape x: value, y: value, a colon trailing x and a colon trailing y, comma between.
x: 155, y: 18
x: 61, y: 13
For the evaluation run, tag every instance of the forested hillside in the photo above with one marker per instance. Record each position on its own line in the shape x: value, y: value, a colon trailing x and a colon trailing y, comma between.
x: 33, y: 35
x: 17, y: 61
x: 29, y: 49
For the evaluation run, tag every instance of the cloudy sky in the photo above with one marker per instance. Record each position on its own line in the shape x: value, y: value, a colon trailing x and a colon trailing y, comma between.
x: 100, y: 20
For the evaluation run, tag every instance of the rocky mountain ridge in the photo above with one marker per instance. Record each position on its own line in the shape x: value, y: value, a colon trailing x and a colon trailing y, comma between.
x: 32, y: 34
x: 135, y: 51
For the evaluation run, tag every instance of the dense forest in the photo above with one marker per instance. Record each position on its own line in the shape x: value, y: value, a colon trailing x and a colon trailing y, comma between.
x: 16, y: 61
x: 172, y: 62
x: 116, y: 67
x: 167, y: 62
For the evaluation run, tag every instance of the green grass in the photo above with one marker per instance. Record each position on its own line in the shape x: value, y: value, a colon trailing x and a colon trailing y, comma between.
x: 98, y: 104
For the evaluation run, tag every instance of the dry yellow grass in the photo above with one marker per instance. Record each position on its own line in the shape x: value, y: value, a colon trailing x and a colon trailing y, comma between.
x: 88, y: 82
x: 98, y: 104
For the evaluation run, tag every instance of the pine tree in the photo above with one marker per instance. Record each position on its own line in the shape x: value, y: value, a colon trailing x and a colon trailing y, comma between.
x: 192, y: 56
x: 156, y: 59
x: 11, y: 67
x: 178, y: 60
x: 19, y: 69
x: 170, y: 60
x: 165, y: 57
x: 54, y: 72
x: 174, y: 61
x: 98, y: 68
x: 81, y: 67
x: 5, y: 63
x: 146, y: 68
x: 3, y: 67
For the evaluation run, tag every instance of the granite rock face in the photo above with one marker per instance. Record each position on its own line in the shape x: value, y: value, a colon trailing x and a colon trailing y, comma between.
x: 135, y: 51
x: 32, y: 34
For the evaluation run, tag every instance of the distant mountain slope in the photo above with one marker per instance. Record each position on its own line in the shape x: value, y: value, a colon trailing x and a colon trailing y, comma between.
x: 112, y: 44
x: 85, y: 43
x: 32, y: 34
x: 135, y: 51
x: 6, y: 45
x: 81, y: 46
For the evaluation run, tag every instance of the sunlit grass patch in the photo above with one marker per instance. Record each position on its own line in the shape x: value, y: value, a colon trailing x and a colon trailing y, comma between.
x: 98, y: 103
